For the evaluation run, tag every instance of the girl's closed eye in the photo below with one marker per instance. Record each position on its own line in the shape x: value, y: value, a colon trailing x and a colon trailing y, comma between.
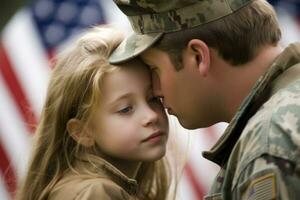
x: 154, y: 99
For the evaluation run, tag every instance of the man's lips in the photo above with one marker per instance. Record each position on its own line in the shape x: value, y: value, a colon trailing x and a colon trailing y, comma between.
x: 155, y: 136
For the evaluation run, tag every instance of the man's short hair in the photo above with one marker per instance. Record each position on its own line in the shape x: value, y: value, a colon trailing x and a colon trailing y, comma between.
x: 235, y: 28
x: 236, y: 37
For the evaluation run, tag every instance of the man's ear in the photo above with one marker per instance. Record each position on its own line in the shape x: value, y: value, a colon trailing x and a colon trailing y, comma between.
x: 198, y: 51
x: 79, y: 133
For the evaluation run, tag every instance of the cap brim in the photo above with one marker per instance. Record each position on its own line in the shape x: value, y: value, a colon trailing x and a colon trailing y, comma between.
x: 133, y: 46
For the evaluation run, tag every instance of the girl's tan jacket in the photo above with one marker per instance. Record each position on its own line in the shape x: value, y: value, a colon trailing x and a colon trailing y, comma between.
x: 100, y: 181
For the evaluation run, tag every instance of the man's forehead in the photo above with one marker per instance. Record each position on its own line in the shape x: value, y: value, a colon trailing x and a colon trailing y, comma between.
x: 155, y: 58
x: 151, y: 54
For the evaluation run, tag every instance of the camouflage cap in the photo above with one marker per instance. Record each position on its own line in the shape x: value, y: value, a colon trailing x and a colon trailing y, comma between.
x: 151, y: 18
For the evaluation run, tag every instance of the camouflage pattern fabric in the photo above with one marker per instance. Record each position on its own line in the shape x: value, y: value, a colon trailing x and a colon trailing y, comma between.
x: 133, y: 46
x: 151, y: 18
x: 259, y: 153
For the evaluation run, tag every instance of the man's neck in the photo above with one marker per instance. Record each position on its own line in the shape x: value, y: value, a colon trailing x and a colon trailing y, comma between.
x: 244, y: 77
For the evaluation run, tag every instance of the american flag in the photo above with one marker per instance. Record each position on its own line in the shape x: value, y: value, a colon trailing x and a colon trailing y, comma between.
x: 28, y: 42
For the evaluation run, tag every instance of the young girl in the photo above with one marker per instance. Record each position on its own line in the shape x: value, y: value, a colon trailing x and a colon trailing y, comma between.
x: 102, y: 133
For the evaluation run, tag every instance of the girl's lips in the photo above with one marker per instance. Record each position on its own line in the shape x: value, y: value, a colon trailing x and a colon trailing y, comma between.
x: 154, y: 137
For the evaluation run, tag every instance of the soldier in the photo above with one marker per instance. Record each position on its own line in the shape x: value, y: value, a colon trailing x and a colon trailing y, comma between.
x: 219, y: 61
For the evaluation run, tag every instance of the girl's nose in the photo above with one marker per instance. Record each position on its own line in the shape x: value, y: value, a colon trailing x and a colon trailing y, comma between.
x: 149, y: 116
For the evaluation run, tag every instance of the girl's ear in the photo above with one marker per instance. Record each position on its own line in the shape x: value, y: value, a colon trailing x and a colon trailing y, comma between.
x: 80, y: 134
x: 198, y: 51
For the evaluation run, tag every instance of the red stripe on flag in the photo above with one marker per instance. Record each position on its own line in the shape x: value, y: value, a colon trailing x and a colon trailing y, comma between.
x: 196, y: 185
x: 7, y: 171
x: 51, y: 56
x: 298, y: 20
x: 9, y: 76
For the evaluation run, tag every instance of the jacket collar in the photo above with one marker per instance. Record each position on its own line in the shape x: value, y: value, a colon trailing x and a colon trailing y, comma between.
x: 259, y: 94
x: 95, y: 164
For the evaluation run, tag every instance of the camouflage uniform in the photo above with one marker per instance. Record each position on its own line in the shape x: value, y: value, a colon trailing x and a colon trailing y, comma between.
x: 98, y: 181
x: 259, y: 153
x: 260, y: 150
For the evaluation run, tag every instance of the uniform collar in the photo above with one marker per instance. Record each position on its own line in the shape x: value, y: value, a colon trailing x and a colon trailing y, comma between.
x: 259, y: 94
x: 95, y: 164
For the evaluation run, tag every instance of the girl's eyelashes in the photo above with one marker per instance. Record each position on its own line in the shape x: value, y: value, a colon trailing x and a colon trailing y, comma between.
x: 129, y: 108
x: 125, y: 110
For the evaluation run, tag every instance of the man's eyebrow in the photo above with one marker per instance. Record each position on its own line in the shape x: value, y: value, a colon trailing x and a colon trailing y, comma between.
x: 150, y: 66
x: 153, y: 67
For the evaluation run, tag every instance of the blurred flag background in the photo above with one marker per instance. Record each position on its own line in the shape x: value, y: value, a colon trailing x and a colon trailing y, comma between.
x: 34, y: 34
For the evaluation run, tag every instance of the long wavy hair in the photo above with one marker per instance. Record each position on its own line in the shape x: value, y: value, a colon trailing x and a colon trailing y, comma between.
x: 73, y: 92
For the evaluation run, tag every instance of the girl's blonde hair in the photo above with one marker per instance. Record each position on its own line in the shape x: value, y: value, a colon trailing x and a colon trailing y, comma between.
x: 73, y: 92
